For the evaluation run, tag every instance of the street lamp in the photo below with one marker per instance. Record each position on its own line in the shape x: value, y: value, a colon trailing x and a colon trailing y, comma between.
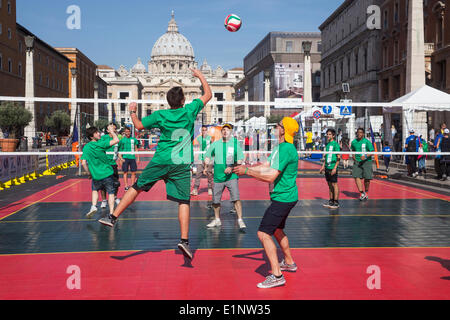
x: 29, y: 42
x: 73, y: 71
x: 307, y: 46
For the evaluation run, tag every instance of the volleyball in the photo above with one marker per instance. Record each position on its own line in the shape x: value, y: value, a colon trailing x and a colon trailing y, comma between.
x: 233, y: 23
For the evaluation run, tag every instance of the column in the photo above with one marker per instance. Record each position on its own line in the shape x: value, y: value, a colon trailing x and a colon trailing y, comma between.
x: 415, y: 61
x: 96, y: 111
x: 30, y: 130
x: 73, y: 106
x: 266, y: 93
x: 246, y: 107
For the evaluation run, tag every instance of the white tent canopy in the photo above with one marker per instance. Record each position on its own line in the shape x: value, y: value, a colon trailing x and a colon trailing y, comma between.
x: 426, y: 95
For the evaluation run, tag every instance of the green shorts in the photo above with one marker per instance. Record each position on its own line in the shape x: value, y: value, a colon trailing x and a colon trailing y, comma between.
x: 363, y: 170
x: 177, y: 178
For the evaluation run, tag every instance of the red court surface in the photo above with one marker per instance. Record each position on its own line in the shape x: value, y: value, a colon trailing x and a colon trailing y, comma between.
x: 404, y: 274
x: 402, y: 231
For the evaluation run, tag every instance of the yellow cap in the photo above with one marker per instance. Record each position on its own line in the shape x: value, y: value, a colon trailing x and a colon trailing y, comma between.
x: 290, y: 129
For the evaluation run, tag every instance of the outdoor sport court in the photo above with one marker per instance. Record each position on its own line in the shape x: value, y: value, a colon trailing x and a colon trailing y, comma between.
x: 404, y: 231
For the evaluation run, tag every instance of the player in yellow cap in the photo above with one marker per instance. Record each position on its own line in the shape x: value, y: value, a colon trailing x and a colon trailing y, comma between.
x: 281, y: 171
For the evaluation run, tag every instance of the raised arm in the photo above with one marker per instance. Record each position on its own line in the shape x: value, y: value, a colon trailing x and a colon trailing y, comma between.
x: 207, y: 90
x: 133, y: 114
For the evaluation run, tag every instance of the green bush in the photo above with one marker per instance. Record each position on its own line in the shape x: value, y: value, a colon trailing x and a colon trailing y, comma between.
x: 13, y: 118
x: 59, y: 123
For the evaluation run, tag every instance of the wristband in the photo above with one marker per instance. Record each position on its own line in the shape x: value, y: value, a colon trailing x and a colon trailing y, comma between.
x: 246, y: 170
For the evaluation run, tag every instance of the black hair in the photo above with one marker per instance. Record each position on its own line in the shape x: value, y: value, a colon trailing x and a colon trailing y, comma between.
x: 175, y: 97
x: 386, y: 143
x: 333, y: 132
x: 362, y: 129
x: 90, y: 132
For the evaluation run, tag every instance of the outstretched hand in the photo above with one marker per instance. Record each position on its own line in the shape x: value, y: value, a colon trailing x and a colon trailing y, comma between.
x: 239, y: 170
x: 133, y: 107
x: 196, y: 73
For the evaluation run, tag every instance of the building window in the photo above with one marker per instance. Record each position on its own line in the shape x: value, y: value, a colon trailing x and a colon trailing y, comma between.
x: 356, y: 62
x: 396, y: 52
x: 396, y: 6
x: 20, y: 69
x: 1, y: 28
x: 9, y: 34
x: 365, y: 60
x: 10, y: 68
x: 385, y: 19
x: 9, y: 7
x: 319, y: 46
x: 289, y: 46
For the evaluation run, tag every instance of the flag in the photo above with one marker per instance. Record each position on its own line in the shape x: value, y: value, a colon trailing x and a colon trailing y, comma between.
x: 374, y: 145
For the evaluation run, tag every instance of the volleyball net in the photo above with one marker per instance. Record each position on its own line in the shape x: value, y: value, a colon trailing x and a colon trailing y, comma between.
x: 54, y: 142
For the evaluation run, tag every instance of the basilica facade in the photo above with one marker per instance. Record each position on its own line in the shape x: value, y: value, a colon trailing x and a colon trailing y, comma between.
x: 171, y: 58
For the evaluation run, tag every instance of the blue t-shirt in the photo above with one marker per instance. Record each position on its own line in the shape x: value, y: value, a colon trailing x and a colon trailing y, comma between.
x: 387, y: 149
x: 417, y: 141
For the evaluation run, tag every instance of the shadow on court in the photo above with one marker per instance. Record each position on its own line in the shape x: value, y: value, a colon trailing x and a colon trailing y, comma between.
x: 259, y: 255
x: 444, y: 263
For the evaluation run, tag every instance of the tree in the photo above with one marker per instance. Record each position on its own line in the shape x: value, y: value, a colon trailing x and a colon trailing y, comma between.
x: 59, y: 123
x: 13, y: 118
x: 101, y: 124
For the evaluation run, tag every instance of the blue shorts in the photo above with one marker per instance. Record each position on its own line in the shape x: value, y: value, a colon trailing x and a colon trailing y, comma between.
x: 129, y: 165
x: 107, y: 184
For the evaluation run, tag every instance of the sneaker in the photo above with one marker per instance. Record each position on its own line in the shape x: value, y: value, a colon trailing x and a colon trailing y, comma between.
x: 104, y: 204
x: 127, y: 188
x: 335, y: 205
x: 214, y: 223
x: 444, y: 177
x: 241, y: 224
x: 117, y: 201
x: 364, y: 197
x: 194, y: 192
x: 328, y: 204
x: 210, y: 192
x: 184, y: 247
x: 271, y: 282
x: 209, y: 206
x: 91, y: 212
x: 109, y: 221
x: 288, y: 267
x: 233, y: 211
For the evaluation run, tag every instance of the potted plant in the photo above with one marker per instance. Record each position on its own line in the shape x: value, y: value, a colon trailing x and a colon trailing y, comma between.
x: 59, y: 123
x: 13, y: 118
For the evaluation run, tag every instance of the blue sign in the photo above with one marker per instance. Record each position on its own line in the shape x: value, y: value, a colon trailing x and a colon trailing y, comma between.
x: 327, y: 109
x: 346, y: 110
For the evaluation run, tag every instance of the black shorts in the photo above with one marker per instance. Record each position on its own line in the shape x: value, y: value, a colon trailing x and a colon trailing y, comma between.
x: 275, y: 216
x: 107, y: 184
x: 129, y: 165
x: 331, y: 178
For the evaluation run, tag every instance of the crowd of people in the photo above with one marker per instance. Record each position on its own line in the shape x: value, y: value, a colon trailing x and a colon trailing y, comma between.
x: 222, y: 161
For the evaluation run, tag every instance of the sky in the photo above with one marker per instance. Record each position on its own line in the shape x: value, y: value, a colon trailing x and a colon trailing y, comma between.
x: 117, y: 32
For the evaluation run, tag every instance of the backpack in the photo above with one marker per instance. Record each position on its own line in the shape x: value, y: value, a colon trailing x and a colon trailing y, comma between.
x: 412, y: 145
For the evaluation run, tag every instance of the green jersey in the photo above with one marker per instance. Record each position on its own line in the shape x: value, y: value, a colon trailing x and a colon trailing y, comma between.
x: 177, y: 133
x: 128, y: 145
x: 331, y: 159
x: 99, y: 163
x: 362, y: 145
x: 115, y: 148
x: 204, y: 144
x: 226, y: 154
x: 284, y: 158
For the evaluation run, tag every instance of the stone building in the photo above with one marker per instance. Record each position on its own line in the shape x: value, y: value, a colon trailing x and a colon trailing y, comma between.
x: 350, y: 54
x: 171, y: 58
x: 274, y: 69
